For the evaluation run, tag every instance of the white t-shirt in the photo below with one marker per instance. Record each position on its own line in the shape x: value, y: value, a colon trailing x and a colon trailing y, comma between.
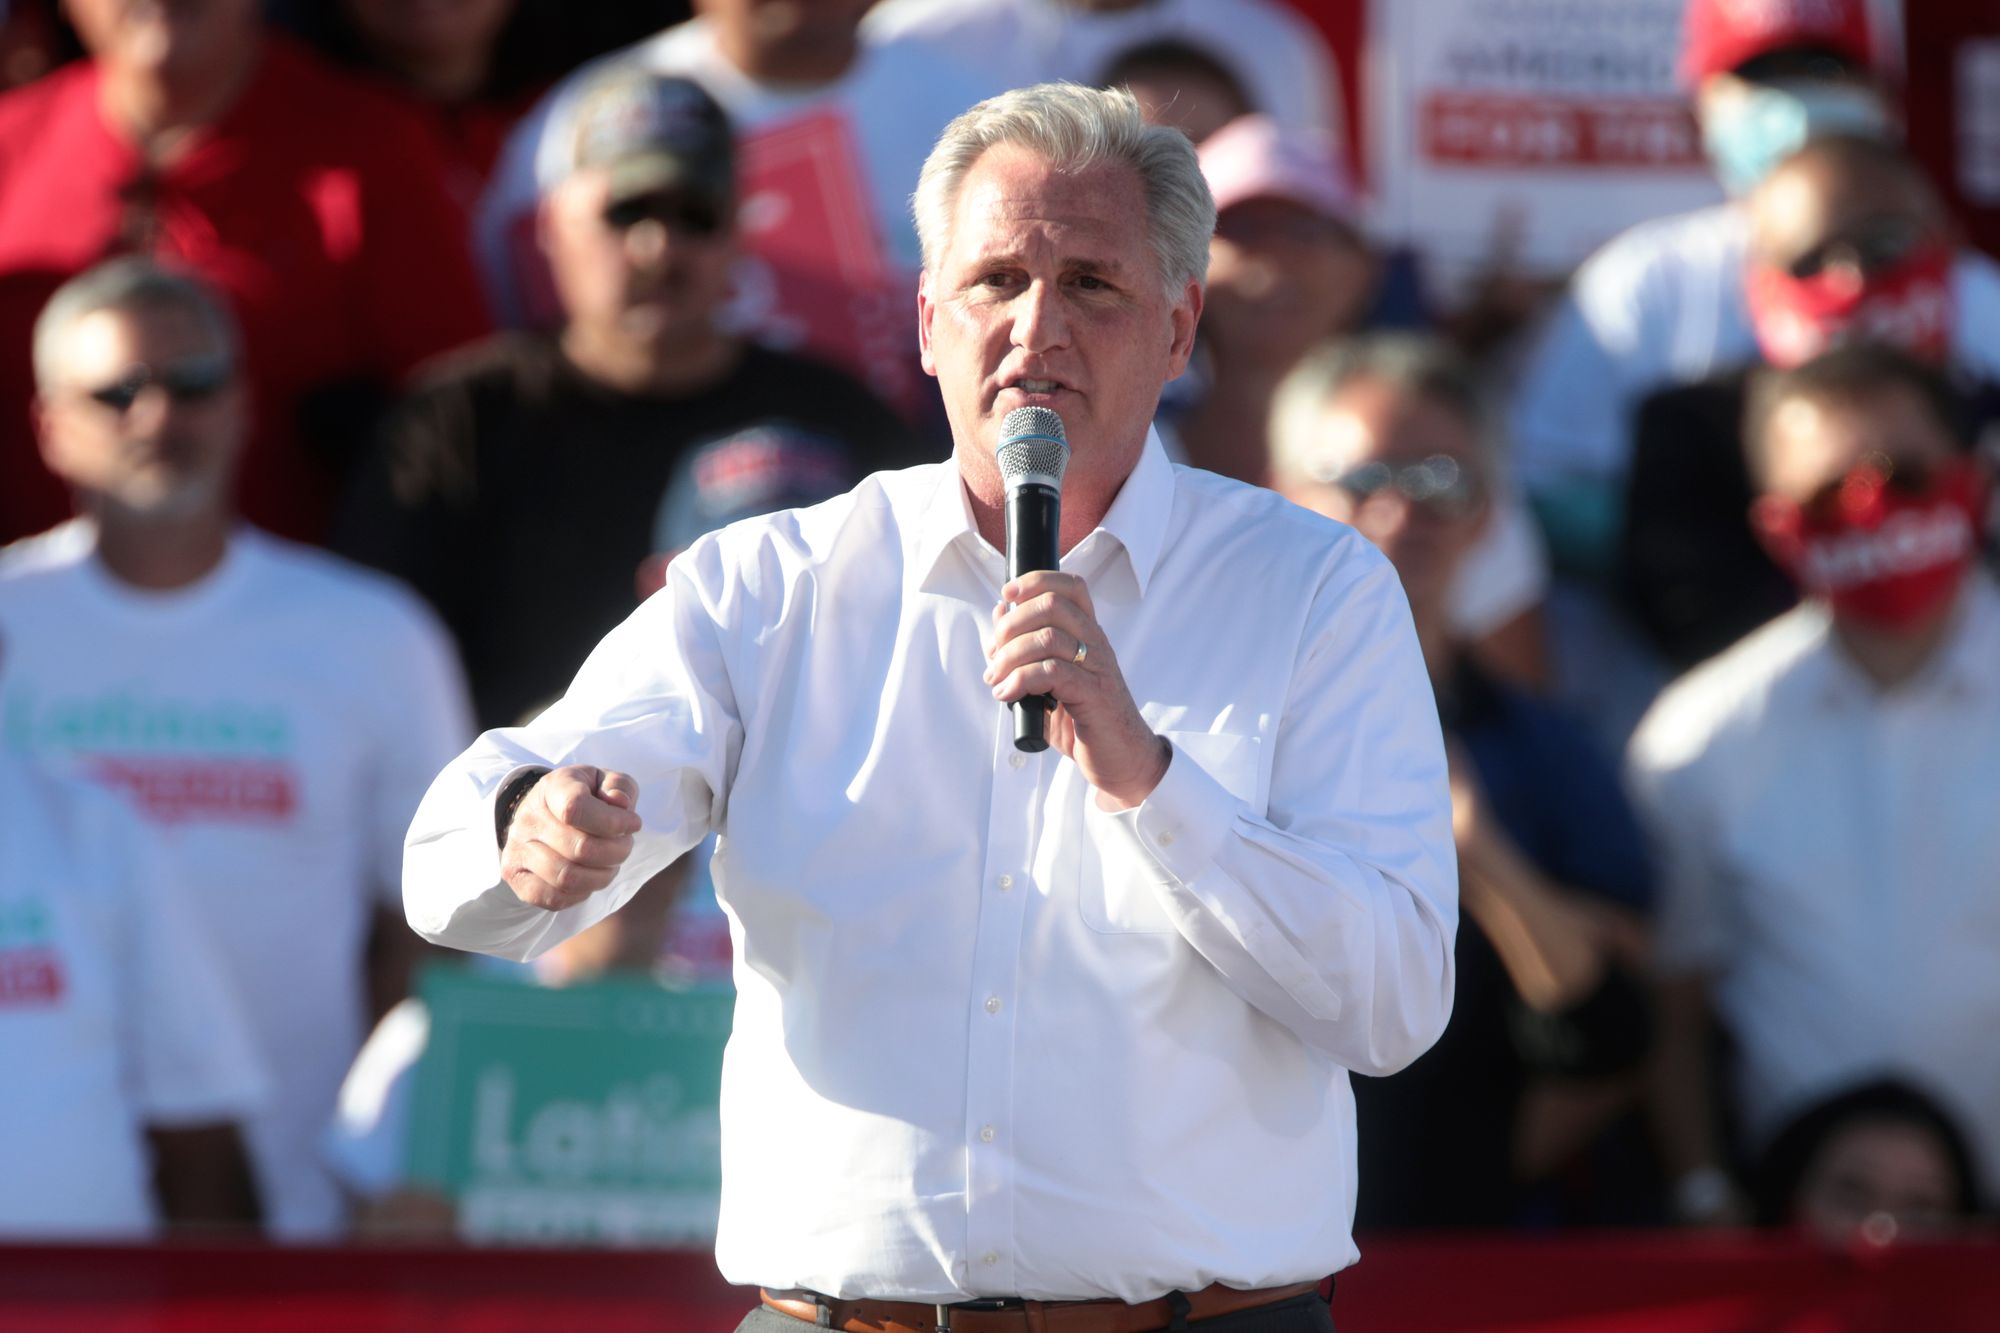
x: 890, y: 108
x: 1830, y: 858
x: 276, y: 724
x: 1663, y: 305
x: 1278, y: 58
x: 113, y: 1016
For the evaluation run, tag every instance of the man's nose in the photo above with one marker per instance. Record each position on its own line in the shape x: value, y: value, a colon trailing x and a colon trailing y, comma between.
x: 648, y: 242
x: 149, y: 411
x: 1040, y: 320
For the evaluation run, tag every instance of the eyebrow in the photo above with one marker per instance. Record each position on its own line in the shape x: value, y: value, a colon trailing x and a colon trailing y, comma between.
x: 1112, y: 267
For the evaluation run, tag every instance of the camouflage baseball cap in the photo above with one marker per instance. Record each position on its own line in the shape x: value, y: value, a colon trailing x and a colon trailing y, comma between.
x: 655, y: 133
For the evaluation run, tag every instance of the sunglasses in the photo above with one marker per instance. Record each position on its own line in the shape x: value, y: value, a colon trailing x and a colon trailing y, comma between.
x: 1868, y: 248
x: 192, y: 381
x: 680, y: 216
x: 1439, y: 484
x: 1905, y: 476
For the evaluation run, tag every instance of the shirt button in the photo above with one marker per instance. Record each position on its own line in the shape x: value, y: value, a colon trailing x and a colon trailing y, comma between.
x: 1005, y: 882
x: 989, y: 1258
x: 993, y: 1004
x: 1166, y: 840
x: 986, y: 1134
x: 1016, y: 760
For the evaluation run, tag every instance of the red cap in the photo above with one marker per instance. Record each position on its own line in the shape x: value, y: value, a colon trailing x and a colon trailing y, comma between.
x: 1719, y: 35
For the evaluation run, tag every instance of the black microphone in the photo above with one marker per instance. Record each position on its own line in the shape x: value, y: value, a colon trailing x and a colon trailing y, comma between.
x: 1032, y: 453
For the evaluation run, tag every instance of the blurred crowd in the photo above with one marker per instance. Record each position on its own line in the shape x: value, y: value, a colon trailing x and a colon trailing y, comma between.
x: 332, y: 331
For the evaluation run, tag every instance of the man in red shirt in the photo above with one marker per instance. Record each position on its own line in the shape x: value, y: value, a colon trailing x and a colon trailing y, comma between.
x: 316, y: 204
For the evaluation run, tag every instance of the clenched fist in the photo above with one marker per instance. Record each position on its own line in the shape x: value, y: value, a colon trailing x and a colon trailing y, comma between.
x: 569, y: 835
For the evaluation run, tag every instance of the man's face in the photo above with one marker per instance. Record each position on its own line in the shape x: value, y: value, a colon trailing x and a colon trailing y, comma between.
x: 1810, y: 217
x: 652, y: 270
x: 147, y: 414
x: 1809, y: 446
x: 779, y: 27
x: 1879, y: 1179
x: 433, y: 29
x: 1845, y: 254
x: 1048, y: 295
x: 1407, y: 474
x: 166, y: 38
x: 1281, y: 277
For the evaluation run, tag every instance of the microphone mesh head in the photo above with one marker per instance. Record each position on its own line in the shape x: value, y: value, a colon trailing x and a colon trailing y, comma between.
x: 1033, y: 450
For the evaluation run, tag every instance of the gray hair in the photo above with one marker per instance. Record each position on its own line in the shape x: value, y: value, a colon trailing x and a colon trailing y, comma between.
x: 1420, y: 366
x: 126, y: 284
x: 1074, y: 127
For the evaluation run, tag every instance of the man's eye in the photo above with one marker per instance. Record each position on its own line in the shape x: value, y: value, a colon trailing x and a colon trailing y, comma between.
x: 1090, y: 282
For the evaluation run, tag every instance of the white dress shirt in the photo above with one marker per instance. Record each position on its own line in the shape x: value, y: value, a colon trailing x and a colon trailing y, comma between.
x: 1831, y: 860
x: 989, y: 1039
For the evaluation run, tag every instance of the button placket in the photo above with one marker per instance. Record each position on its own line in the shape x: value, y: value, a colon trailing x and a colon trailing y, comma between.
x: 1012, y: 828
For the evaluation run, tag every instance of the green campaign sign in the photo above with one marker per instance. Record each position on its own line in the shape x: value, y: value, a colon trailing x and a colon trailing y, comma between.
x: 582, y: 1114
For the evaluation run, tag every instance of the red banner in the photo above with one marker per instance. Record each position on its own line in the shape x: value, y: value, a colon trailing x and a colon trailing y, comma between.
x: 1624, y: 1283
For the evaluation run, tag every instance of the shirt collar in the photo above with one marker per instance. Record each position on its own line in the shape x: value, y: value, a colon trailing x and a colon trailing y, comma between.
x: 1135, y: 524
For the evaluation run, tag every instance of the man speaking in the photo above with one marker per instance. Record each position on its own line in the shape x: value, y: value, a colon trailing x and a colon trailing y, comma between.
x: 1023, y: 1039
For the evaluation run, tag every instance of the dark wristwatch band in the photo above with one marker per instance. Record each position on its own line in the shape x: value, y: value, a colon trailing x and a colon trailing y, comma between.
x: 510, y: 798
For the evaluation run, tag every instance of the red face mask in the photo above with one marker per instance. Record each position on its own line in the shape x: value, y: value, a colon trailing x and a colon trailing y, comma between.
x: 1907, y: 305
x: 1877, y: 554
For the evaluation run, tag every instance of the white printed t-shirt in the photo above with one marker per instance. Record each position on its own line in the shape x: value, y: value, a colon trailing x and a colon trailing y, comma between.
x: 113, y: 1016
x: 276, y: 725
x: 1830, y: 860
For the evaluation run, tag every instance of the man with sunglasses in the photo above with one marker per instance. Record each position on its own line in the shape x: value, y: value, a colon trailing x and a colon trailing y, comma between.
x: 313, y: 202
x: 576, y: 436
x: 1388, y: 433
x: 1849, y: 242
x: 1820, y: 791
x: 267, y: 710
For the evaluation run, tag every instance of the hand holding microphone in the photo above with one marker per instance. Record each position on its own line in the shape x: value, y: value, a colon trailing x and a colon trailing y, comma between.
x: 1050, y: 659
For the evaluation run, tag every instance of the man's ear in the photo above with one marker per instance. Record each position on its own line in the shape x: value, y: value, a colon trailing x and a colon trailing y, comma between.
x: 925, y: 309
x: 45, y: 433
x: 1185, y: 316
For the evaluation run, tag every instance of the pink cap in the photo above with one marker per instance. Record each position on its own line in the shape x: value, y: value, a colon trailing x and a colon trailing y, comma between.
x: 1719, y: 35
x: 1252, y: 157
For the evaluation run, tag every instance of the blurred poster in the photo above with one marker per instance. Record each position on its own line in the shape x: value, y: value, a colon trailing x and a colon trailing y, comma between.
x: 1526, y: 132
x: 815, y: 277
x: 579, y: 1115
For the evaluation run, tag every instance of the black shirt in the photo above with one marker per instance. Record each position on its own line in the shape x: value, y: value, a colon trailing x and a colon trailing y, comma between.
x: 528, y: 502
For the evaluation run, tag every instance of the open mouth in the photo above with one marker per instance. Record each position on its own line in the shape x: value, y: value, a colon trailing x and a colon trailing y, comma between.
x: 1033, y: 389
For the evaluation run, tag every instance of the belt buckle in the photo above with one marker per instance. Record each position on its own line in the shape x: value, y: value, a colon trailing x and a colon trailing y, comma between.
x: 978, y: 1305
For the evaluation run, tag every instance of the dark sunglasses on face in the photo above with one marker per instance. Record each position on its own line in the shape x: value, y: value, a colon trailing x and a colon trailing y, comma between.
x: 1904, y: 476
x: 683, y: 217
x: 192, y: 381
x: 1868, y: 248
x: 1438, y: 484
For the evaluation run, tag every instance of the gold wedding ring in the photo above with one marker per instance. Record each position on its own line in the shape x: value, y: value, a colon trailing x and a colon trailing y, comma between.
x: 1082, y: 651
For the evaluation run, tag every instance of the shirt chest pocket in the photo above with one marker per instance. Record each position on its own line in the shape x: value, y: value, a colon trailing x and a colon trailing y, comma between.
x: 1117, y: 885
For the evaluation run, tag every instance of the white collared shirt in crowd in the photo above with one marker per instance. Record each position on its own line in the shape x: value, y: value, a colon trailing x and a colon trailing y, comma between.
x: 989, y: 1039
x: 1831, y: 859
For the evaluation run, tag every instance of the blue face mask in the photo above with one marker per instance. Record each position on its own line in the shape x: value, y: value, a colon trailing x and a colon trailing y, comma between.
x: 1747, y: 135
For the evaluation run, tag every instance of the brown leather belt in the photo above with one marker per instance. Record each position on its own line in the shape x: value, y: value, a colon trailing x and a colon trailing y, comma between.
x: 871, y: 1316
